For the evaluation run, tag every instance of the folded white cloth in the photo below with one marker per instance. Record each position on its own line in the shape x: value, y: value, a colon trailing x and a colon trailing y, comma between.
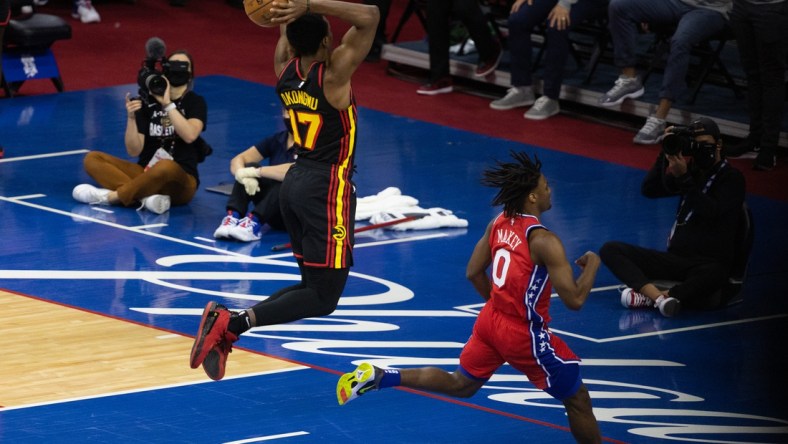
x: 387, y: 200
x: 429, y: 219
x: 390, y: 204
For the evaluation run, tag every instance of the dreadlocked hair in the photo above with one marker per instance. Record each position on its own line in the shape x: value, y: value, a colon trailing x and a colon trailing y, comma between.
x: 515, y: 181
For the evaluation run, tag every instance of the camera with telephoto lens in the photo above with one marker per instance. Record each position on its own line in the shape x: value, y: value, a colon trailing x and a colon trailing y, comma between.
x: 681, y: 141
x: 151, y: 80
x: 150, y: 77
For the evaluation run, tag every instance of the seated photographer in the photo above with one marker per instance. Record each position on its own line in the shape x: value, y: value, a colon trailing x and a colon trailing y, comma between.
x: 258, y: 185
x: 702, y: 242
x: 163, y: 130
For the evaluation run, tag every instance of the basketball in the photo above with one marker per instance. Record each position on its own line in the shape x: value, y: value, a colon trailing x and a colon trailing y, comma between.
x: 259, y: 11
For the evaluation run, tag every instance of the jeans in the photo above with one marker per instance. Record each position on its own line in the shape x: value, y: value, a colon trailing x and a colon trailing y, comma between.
x: 523, y: 22
x: 693, y: 26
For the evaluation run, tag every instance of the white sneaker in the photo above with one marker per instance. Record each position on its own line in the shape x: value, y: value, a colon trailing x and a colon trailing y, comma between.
x: 652, y: 132
x: 87, y: 193
x: 229, y: 221
x: 86, y: 13
x: 543, y: 108
x: 633, y: 299
x: 515, y: 97
x: 623, y: 88
x: 157, y: 203
x: 247, y: 230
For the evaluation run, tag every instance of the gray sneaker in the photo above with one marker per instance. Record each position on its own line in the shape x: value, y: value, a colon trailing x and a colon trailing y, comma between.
x: 543, y: 108
x: 668, y: 306
x: 624, y: 88
x: 652, y: 132
x: 515, y: 97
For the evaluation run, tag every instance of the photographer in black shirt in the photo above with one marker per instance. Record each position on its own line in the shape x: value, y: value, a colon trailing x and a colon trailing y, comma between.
x: 163, y: 132
x: 701, y: 244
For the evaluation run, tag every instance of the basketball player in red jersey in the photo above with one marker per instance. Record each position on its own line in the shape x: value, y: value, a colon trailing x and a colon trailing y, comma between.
x: 526, y: 261
x: 317, y: 196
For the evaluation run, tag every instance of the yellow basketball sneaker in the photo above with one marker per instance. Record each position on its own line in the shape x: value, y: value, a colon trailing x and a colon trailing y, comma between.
x: 364, y: 378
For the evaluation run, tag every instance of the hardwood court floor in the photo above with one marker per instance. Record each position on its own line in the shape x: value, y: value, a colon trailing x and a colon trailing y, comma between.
x: 60, y: 360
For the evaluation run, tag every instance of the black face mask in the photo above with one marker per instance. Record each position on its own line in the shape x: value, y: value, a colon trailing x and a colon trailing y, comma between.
x: 704, y: 154
x: 178, y: 73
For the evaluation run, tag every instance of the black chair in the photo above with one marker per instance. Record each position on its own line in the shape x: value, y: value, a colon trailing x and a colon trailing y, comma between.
x: 26, y: 47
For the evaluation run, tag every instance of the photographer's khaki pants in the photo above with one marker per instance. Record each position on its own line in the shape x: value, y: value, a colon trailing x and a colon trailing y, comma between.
x: 133, y: 183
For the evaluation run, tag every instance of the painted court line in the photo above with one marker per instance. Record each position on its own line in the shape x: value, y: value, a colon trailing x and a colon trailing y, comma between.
x: 150, y: 389
x: 268, y: 438
x: 42, y: 156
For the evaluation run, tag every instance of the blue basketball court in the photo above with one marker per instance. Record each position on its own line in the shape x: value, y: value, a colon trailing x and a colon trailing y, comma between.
x: 104, y: 301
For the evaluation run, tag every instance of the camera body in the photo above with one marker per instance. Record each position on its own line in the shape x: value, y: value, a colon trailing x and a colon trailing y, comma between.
x: 681, y: 141
x: 150, y: 78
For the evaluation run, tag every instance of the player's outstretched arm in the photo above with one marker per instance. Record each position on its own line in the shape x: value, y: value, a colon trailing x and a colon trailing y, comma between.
x: 547, y: 250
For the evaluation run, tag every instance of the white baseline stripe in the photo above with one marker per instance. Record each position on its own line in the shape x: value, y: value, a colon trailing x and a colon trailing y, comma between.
x: 150, y: 389
x: 336, y: 313
x: 268, y: 438
x: 42, y: 156
x: 685, y: 329
x: 194, y: 244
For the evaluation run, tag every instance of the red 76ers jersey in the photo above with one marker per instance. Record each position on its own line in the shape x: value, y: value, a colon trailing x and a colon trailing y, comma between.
x: 520, y: 288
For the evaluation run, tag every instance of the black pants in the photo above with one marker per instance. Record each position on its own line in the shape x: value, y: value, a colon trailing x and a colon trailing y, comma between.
x: 266, y: 202
x: 316, y: 295
x: 762, y: 38
x: 439, y: 14
x: 700, y: 279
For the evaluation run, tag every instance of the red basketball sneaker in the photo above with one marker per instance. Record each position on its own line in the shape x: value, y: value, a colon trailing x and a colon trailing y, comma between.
x: 213, y: 327
x: 216, y: 360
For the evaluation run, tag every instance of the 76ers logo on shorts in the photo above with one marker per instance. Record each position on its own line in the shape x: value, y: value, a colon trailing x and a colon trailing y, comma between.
x: 339, y: 232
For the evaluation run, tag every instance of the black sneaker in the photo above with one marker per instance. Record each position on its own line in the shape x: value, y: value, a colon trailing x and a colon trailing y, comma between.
x: 765, y: 161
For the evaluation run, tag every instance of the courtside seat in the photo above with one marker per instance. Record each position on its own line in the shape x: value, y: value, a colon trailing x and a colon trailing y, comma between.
x: 26, y: 47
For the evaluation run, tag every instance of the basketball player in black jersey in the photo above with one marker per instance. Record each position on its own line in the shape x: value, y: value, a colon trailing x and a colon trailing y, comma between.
x: 317, y: 197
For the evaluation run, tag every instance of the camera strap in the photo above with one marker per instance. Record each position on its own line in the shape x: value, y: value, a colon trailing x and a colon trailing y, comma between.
x: 683, y: 215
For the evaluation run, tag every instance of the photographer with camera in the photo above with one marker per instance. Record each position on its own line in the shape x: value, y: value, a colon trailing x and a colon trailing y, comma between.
x: 163, y: 131
x: 701, y: 243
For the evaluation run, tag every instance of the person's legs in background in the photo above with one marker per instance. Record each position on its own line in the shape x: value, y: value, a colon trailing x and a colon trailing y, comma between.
x: 438, y: 25
x: 693, y: 27
x: 762, y: 39
x: 521, y: 24
x: 490, y: 50
x: 624, y: 20
x: 556, y: 54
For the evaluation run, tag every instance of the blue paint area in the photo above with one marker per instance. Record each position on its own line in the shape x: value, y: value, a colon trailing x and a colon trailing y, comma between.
x: 726, y: 375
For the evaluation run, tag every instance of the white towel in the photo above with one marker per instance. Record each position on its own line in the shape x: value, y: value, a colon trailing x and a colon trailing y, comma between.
x: 432, y: 218
x: 387, y: 200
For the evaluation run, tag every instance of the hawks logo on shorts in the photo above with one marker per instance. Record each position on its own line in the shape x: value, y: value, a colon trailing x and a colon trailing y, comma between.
x: 339, y: 232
